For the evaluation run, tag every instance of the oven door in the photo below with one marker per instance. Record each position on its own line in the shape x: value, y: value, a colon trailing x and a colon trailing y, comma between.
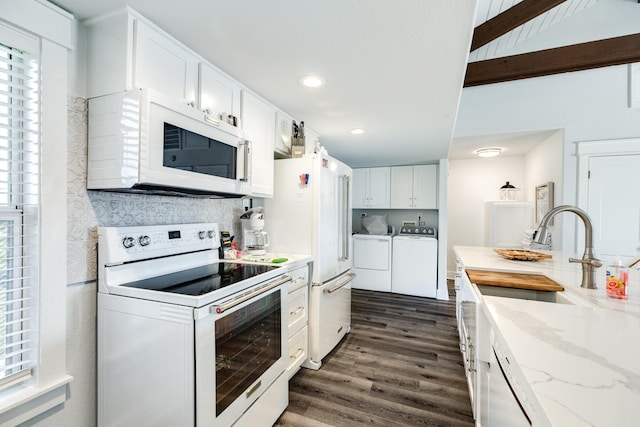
x: 241, y: 348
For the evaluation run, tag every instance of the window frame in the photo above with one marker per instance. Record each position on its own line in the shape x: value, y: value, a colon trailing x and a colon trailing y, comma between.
x: 39, y: 25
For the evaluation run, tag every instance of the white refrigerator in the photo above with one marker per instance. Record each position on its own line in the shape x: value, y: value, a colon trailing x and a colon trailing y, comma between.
x: 310, y: 213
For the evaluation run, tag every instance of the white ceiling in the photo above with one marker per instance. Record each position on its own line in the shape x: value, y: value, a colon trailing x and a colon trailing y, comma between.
x: 394, y: 68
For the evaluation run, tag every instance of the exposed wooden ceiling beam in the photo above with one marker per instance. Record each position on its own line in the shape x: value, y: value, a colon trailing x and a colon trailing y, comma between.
x: 511, y: 18
x: 577, y: 57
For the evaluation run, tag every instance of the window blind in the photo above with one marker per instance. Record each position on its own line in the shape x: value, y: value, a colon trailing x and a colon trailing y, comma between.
x: 19, y: 212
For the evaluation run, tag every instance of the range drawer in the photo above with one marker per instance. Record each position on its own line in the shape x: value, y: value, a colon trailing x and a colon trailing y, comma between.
x: 298, y: 350
x: 298, y: 309
x: 300, y: 278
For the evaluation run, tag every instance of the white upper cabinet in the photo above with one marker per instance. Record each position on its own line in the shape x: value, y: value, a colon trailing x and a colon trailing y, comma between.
x: 124, y: 52
x: 258, y: 122
x: 371, y: 188
x: 414, y: 187
x: 162, y: 64
x: 219, y: 94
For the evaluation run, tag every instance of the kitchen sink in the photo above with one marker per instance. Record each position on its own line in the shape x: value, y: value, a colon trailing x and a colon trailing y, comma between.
x: 529, y: 294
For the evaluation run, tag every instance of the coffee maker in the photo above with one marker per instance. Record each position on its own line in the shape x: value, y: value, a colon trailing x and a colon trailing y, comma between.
x: 255, y: 240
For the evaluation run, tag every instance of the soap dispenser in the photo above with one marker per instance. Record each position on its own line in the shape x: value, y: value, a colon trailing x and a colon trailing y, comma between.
x: 617, y: 277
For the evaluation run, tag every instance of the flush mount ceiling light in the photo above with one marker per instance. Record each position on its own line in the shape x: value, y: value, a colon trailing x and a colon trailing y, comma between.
x: 489, y: 152
x: 311, y: 81
x: 357, y: 131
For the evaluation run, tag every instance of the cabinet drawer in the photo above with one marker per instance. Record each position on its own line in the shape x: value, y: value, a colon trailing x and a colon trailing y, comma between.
x: 298, y: 350
x: 298, y: 309
x: 300, y: 278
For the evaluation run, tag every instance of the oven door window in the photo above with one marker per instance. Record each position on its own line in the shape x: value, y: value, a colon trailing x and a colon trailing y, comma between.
x: 248, y: 342
x: 190, y: 151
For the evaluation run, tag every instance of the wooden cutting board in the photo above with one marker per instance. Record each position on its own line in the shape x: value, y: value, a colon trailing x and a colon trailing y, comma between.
x: 536, y: 282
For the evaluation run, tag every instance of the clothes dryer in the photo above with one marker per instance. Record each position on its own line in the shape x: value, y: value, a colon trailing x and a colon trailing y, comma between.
x: 372, y: 262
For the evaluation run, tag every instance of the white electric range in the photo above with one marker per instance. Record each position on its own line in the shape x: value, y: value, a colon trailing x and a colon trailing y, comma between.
x: 185, y: 338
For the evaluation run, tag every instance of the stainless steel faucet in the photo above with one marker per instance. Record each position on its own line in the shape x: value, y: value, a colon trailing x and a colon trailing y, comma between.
x: 589, y: 261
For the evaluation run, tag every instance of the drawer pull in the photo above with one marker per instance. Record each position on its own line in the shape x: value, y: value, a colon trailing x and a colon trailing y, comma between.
x: 295, y: 313
x: 299, y: 353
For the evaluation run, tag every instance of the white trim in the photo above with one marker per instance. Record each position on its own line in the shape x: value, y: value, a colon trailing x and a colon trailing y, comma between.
x: 39, y: 17
x: 634, y: 85
x: 443, y: 184
x: 585, y: 150
x: 31, y: 401
x: 608, y: 147
x: 47, y: 388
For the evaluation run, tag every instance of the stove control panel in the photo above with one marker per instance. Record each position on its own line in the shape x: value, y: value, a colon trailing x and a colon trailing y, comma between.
x: 123, y: 244
x: 418, y: 230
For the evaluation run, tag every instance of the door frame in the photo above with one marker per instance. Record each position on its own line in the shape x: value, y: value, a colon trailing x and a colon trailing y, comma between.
x: 585, y: 150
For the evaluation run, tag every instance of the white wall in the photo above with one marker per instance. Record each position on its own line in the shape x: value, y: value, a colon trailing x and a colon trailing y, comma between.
x: 544, y: 164
x: 586, y: 105
x: 472, y: 182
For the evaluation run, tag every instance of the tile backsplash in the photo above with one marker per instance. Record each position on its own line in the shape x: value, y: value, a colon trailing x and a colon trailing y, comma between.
x: 86, y: 210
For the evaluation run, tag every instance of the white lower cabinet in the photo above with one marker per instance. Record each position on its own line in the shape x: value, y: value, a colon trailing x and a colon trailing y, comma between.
x: 493, y: 400
x: 298, y: 320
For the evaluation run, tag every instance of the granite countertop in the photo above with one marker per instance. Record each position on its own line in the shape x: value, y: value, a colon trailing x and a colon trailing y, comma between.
x: 579, y: 364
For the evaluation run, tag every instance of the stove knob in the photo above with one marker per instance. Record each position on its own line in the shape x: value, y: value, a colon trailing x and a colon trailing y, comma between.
x: 211, y: 234
x: 128, y: 242
x: 144, y: 240
x: 202, y: 234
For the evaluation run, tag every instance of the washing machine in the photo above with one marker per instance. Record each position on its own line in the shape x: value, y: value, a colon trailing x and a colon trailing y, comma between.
x: 372, y: 262
x: 415, y: 262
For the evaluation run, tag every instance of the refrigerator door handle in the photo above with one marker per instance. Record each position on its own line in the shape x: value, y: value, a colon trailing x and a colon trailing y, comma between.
x: 344, y: 218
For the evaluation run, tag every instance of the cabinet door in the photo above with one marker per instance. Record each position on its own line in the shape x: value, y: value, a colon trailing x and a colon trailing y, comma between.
x: 380, y: 188
x: 218, y: 92
x: 402, y: 187
x: 425, y: 187
x: 360, y: 195
x: 258, y: 122
x: 283, y: 133
x: 164, y: 65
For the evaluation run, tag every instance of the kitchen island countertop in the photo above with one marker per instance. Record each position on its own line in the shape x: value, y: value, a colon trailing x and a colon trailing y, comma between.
x: 579, y: 365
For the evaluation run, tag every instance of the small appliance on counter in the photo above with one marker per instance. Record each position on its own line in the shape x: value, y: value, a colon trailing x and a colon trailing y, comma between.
x: 255, y: 240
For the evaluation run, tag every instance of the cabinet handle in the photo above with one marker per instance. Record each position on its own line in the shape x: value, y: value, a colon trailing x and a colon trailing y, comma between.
x: 295, y: 313
x: 299, y: 353
x: 191, y: 103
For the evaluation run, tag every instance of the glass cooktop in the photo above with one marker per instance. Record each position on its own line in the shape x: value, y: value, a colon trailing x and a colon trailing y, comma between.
x: 202, y: 280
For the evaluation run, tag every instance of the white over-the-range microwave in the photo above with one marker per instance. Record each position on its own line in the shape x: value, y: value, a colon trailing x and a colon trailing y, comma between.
x: 142, y: 141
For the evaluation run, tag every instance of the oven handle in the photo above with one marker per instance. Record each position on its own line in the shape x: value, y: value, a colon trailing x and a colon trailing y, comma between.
x: 221, y: 308
x: 346, y: 282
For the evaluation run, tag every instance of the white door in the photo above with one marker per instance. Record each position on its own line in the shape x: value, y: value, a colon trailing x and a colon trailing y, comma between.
x: 219, y: 93
x: 402, y: 185
x: 162, y: 64
x: 329, y: 239
x: 425, y: 186
x: 379, y: 188
x: 360, y: 188
x: 614, y: 205
x: 258, y: 123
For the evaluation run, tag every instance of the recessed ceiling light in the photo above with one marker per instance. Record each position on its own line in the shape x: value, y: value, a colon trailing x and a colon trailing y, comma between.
x: 357, y: 131
x: 489, y: 152
x: 311, y: 81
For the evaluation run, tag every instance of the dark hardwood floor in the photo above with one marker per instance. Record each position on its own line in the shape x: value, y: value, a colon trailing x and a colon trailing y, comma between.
x: 399, y: 366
